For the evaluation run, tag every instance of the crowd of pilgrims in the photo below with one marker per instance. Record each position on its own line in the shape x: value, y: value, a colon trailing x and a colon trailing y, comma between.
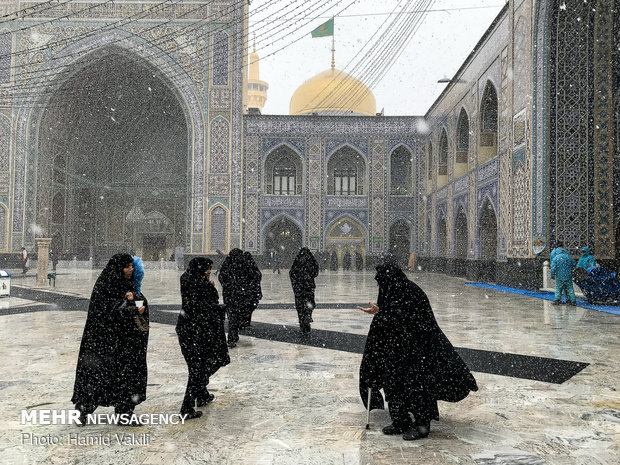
x: 407, y: 357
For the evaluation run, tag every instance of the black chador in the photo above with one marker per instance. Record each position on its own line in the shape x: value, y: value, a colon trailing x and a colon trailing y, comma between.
x: 409, y: 356
x: 111, y: 368
x: 252, y: 289
x: 303, y: 271
x: 200, y: 328
x: 231, y: 278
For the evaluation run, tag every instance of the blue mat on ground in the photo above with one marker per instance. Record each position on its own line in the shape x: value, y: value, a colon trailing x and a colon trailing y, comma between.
x: 548, y: 296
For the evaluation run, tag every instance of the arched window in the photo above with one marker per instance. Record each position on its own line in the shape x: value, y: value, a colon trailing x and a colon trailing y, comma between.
x: 462, y: 144
x: 400, y: 172
x: 346, y: 169
x: 283, y: 172
x: 488, y: 123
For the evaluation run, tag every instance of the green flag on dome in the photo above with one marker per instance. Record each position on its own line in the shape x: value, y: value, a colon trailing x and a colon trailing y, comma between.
x: 325, y: 29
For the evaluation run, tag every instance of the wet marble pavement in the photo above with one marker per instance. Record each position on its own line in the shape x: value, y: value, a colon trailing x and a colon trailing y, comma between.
x: 286, y: 399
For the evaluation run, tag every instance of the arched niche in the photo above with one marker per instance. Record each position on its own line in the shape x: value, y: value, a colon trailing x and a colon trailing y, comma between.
x: 488, y: 232
x: 283, y: 172
x: 461, y: 235
x: 442, y: 237
x: 346, y: 172
x: 488, y: 124
x: 442, y: 168
x: 462, y: 144
x: 400, y: 171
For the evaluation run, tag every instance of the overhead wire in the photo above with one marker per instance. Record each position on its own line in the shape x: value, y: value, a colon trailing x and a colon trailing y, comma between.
x: 327, y: 90
x: 158, y: 40
x: 389, y: 56
x: 174, y: 33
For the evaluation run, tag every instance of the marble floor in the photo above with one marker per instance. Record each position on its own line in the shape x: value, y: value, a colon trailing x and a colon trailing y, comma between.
x: 286, y: 399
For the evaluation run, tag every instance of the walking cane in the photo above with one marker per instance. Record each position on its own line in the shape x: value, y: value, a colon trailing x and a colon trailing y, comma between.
x: 368, y: 411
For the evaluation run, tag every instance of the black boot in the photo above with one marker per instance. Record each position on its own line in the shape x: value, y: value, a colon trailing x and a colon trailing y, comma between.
x: 419, y: 431
x: 202, y: 401
x: 190, y: 413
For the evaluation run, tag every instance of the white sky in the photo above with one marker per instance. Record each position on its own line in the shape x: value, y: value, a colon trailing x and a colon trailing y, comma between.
x: 437, y: 50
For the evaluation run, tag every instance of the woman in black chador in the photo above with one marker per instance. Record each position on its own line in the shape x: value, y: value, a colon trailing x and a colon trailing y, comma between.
x: 252, y: 289
x: 111, y: 368
x: 200, y: 328
x: 303, y: 271
x: 231, y: 278
x: 409, y: 356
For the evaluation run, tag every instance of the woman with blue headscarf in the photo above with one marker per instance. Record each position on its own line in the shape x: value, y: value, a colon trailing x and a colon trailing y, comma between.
x: 111, y: 368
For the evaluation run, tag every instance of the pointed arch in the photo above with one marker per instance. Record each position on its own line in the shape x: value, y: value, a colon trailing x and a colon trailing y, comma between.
x: 401, y: 162
x: 488, y: 123
x: 487, y: 227
x: 346, y: 171
x: 442, y: 168
x: 462, y: 144
x: 74, y: 59
x: 461, y: 233
x: 283, y: 171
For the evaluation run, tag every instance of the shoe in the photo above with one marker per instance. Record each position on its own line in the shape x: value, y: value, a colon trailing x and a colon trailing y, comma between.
x: 305, y: 328
x: 205, y: 401
x: 417, y: 432
x: 572, y: 304
x: 191, y: 414
x: 391, y: 430
x: 556, y: 302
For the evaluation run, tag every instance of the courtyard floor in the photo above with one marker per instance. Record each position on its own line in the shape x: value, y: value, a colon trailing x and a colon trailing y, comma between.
x: 548, y: 380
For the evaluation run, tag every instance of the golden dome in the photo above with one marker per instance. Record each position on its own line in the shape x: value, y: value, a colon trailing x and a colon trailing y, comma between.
x: 333, y: 92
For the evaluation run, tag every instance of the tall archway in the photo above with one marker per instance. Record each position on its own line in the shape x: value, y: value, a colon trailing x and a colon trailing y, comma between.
x: 127, y: 174
x: 283, y: 174
x: 462, y: 144
x: 400, y: 171
x: 488, y: 123
x: 460, y: 235
x: 488, y: 232
x: 283, y: 235
x: 400, y: 241
x: 346, y: 170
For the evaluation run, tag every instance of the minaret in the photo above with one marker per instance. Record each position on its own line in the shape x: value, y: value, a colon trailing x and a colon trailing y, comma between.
x: 257, y: 89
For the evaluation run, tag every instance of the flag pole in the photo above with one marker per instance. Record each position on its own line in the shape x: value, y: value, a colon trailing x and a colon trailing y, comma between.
x: 333, y: 48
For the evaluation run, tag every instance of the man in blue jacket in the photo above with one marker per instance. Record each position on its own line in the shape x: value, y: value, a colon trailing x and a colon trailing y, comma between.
x: 562, y: 266
x: 586, y: 260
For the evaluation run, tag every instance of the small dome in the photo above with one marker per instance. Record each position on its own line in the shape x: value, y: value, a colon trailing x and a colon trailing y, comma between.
x: 333, y: 92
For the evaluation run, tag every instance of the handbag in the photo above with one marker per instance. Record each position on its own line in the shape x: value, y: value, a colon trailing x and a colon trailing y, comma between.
x: 141, y: 322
